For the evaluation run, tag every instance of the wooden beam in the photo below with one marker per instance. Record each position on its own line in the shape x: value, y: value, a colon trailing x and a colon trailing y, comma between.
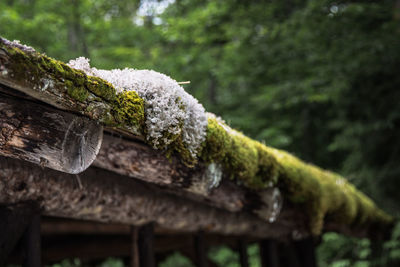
x: 46, y: 136
x: 55, y: 83
x: 52, y: 226
x: 14, y: 220
x: 107, y: 197
x: 137, y: 160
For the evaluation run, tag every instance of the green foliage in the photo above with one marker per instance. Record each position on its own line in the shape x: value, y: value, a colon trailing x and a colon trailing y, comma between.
x: 338, y: 250
x: 225, y: 257
x: 112, y: 262
x: 68, y: 263
x: 176, y: 260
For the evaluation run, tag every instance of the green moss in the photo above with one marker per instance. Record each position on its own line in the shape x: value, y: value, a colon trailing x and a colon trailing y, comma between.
x: 267, y: 166
x: 242, y: 159
x: 33, y: 67
x: 320, y: 193
x: 101, y: 88
x: 324, y: 194
x: 129, y: 110
x: 78, y: 93
x: 245, y: 159
x: 216, y: 144
x: 178, y: 147
x: 51, y: 77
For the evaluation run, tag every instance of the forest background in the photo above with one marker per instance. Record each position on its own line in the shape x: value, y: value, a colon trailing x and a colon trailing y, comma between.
x: 319, y: 78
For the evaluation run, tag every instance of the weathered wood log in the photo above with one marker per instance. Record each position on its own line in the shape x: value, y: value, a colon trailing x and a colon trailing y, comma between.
x: 107, y: 197
x: 55, y: 83
x: 140, y: 161
x: 46, y: 136
x: 63, y: 226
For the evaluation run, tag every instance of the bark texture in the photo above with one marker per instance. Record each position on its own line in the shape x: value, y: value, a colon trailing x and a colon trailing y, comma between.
x: 103, y: 196
x: 46, y: 136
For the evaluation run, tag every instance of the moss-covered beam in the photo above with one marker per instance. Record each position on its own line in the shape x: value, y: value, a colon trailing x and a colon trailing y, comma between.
x: 55, y: 83
x: 202, y: 183
x: 323, y: 196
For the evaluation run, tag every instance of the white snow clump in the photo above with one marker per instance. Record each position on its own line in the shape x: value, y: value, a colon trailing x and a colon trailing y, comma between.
x: 168, y: 107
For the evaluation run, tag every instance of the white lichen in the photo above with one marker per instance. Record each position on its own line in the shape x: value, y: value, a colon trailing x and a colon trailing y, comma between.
x: 17, y: 44
x: 213, y: 175
x: 169, y: 110
x: 277, y: 201
x: 204, y: 182
x: 273, y: 200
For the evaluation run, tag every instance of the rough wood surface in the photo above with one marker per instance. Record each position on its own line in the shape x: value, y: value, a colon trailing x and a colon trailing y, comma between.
x: 140, y: 161
x: 103, y: 196
x: 46, y: 136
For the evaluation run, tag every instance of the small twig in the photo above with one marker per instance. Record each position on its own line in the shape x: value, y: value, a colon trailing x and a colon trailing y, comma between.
x: 186, y: 82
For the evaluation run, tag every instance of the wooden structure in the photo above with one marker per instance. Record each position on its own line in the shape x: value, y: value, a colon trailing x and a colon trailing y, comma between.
x: 89, y: 187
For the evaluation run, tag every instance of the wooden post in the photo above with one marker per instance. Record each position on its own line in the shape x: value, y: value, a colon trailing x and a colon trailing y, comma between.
x: 289, y: 257
x: 306, y: 252
x: 269, y: 253
x: 243, y: 257
x: 200, y: 250
x: 32, y: 244
x: 146, y: 245
x: 134, y: 247
x: 14, y: 219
